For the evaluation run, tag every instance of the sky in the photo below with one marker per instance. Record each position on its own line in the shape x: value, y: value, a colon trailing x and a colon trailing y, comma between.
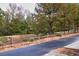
x: 28, y: 6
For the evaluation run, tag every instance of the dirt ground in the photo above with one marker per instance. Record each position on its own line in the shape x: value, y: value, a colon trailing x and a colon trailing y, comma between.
x: 68, y: 51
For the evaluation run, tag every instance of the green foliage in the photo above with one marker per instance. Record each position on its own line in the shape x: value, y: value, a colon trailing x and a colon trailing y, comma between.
x: 58, y: 34
x: 29, y: 40
x: 18, y: 27
x: 3, y: 40
x: 61, y: 17
x: 50, y: 18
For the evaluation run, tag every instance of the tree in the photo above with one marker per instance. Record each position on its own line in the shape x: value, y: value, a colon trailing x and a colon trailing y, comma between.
x: 51, y: 11
x: 2, y: 22
x: 12, y: 9
x: 18, y: 27
x: 66, y: 15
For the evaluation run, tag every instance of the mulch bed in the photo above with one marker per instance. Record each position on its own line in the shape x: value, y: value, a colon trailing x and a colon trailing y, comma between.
x: 68, y: 51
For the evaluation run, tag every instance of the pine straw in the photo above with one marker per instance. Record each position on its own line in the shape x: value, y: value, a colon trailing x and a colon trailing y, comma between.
x: 68, y: 51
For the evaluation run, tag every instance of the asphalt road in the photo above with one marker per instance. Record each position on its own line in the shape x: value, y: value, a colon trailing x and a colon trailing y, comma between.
x: 40, y: 49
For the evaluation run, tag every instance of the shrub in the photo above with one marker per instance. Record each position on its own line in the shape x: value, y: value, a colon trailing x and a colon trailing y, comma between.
x: 29, y: 40
x: 1, y: 43
x: 58, y: 34
x: 2, y: 40
x: 24, y: 40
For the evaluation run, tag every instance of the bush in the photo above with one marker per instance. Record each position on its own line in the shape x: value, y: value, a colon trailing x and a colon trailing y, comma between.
x: 1, y: 43
x: 29, y: 40
x: 58, y: 34
x: 24, y: 40
x: 2, y: 40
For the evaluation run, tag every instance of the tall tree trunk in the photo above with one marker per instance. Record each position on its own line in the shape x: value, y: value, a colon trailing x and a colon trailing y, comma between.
x: 50, y: 28
x: 78, y: 27
x: 74, y: 27
x: 64, y: 26
x: 68, y: 27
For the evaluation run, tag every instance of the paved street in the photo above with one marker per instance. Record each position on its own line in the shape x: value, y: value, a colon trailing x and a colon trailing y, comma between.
x: 40, y: 49
x: 74, y: 45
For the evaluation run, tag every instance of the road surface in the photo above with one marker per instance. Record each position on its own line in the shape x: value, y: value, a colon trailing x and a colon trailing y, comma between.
x: 40, y: 49
x: 74, y: 45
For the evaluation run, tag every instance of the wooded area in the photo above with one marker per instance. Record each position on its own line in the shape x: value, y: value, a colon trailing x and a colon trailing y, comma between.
x: 48, y: 19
